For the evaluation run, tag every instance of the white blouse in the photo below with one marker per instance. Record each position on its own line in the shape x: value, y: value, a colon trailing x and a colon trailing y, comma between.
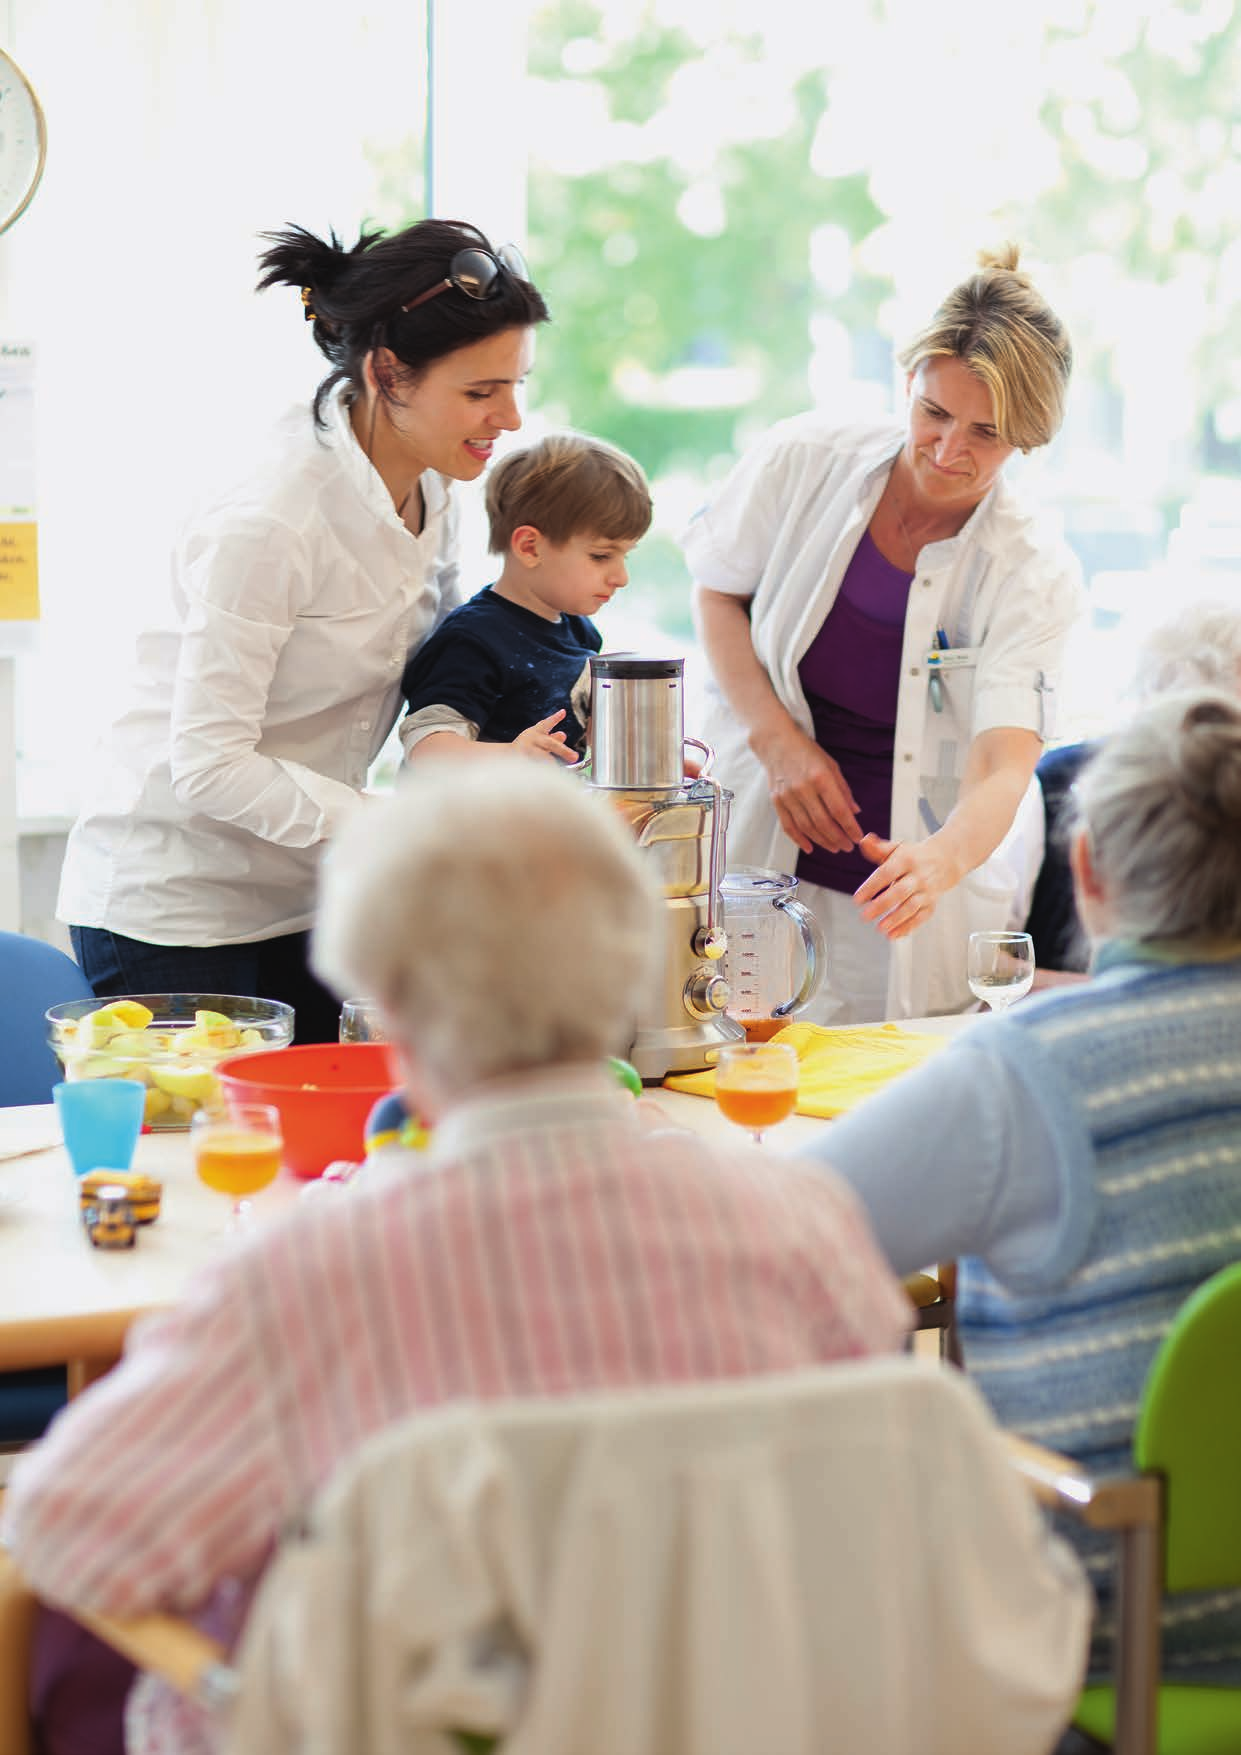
x: 258, y: 704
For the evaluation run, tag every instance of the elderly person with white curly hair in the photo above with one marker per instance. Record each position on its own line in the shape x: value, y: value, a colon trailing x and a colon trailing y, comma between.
x: 546, y: 1243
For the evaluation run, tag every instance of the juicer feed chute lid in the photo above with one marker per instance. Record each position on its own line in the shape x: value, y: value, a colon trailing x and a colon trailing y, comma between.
x: 637, y: 722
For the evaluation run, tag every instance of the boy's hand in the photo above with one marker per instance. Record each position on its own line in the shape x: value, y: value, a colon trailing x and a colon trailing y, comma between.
x: 541, y: 740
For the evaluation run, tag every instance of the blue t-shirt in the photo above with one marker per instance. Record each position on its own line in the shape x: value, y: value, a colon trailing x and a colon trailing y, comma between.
x: 504, y: 668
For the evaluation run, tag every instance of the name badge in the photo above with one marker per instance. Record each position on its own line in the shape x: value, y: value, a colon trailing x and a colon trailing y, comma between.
x: 952, y: 657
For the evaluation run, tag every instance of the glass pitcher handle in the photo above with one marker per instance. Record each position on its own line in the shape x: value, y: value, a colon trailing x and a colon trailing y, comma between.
x: 816, y: 957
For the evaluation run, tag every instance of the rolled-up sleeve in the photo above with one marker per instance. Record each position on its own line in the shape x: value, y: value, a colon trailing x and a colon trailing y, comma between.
x: 1022, y: 652
x: 729, y: 541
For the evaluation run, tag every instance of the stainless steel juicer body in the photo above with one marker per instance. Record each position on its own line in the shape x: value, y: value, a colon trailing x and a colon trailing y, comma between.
x: 637, y: 755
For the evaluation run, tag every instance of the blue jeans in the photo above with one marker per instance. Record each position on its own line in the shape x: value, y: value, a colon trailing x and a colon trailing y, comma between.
x: 274, y: 968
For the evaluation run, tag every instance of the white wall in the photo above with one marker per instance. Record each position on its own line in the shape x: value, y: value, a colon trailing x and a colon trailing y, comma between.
x: 178, y: 130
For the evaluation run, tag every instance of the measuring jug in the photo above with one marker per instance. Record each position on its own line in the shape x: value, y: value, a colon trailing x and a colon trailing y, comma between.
x: 770, y: 933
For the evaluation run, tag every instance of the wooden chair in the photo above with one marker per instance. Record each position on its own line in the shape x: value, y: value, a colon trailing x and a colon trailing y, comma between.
x: 934, y: 1299
x: 1177, y: 1526
x: 168, y: 1647
x: 841, y: 1451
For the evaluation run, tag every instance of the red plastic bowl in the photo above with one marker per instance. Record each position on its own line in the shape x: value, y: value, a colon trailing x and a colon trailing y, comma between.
x: 323, y: 1090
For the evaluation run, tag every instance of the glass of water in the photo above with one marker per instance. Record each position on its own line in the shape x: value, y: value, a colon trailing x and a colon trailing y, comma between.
x: 360, y: 1022
x: 1000, y: 967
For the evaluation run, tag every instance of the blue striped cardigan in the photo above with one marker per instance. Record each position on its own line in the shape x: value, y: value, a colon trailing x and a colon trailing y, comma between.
x: 1147, y: 1058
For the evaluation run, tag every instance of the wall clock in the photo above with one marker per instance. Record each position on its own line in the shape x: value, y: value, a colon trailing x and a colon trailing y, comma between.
x: 23, y: 141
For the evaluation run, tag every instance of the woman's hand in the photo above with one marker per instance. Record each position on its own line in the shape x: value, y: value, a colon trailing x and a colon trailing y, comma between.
x: 913, y: 875
x: 809, y: 792
x: 902, y: 892
x: 541, y: 740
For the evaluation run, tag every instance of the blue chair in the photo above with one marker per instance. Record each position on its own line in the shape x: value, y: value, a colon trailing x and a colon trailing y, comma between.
x: 33, y: 976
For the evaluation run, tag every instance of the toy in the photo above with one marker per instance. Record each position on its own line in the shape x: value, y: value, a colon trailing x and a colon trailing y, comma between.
x: 109, y: 1218
x: 144, y: 1192
x: 391, y: 1123
x: 625, y: 1074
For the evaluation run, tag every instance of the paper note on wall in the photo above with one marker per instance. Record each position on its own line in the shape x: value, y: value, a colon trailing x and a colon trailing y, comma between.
x: 19, y: 547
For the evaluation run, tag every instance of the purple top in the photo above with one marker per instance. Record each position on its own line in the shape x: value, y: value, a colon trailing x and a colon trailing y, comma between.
x: 851, y: 675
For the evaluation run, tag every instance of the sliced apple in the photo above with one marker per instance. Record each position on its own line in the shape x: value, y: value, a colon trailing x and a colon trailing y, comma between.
x: 130, y: 1042
x: 157, y: 1103
x: 194, y: 1082
x: 99, y: 1027
x: 100, y: 1066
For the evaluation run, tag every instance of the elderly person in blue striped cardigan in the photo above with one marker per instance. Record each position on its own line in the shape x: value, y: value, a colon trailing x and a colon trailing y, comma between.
x: 1081, y: 1156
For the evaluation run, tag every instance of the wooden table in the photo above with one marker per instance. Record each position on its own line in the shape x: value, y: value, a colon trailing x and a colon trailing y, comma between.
x: 62, y: 1301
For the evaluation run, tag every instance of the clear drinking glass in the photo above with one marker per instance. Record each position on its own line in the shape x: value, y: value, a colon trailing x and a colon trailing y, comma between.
x: 237, y: 1152
x: 1000, y: 967
x: 756, y: 1084
x: 360, y: 1022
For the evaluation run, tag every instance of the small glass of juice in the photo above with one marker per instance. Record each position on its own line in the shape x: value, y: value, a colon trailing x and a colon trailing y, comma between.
x: 237, y: 1152
x: 756, y: 1084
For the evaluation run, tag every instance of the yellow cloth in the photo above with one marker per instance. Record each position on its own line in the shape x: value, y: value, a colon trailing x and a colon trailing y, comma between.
x: 836, y: 1068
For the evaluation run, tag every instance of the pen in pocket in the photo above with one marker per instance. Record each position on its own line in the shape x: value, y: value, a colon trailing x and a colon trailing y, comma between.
x: 937, y: 687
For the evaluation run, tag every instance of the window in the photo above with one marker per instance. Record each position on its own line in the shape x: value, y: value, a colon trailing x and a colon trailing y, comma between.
x: 177, y: 134
x: 741, y: 211
x: 735, y: 212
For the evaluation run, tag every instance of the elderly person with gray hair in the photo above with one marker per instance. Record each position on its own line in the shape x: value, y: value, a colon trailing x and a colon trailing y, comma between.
x: 546, y: 1243
x: 1199, y: 646
x: 1082, y: 1154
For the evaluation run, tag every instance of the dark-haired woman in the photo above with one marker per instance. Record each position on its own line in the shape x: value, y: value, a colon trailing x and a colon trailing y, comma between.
x: 298, y: 594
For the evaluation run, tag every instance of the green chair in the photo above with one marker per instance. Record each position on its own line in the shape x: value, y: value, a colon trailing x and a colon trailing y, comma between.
x: 1179, y: 1516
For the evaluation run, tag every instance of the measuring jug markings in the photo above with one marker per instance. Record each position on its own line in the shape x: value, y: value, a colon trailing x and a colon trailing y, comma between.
x: 759, y: 962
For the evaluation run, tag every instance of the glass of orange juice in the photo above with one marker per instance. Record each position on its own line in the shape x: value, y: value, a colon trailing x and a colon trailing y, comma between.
x: 756, y: 1084
x: 237, y: 1152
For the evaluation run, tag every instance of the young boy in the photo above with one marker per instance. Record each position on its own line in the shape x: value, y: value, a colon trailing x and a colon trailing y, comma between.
x: 511, y: 666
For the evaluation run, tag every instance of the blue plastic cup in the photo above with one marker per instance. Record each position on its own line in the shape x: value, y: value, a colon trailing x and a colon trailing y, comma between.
x: 100, y: 1120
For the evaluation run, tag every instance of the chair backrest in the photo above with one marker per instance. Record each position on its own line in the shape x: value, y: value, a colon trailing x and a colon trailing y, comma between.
x: 834, y: 1559
x: 1189, y: 1428
x: 33, y: 976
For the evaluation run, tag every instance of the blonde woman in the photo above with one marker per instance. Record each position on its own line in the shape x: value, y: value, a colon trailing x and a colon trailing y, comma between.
x: 884, y: 623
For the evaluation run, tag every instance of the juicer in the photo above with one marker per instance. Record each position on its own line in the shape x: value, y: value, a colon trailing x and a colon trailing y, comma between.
x: 636, y: 753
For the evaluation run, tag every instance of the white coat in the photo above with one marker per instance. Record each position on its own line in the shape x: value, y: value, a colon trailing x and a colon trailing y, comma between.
x: 780, y: 531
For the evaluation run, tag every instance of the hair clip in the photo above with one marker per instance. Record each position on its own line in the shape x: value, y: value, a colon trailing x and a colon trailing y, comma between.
x: 308, y: 311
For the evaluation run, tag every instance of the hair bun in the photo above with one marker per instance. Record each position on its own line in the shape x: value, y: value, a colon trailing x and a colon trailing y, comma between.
x: 1210, y: 761
x: 297, y: 257
x: 1003, y: 260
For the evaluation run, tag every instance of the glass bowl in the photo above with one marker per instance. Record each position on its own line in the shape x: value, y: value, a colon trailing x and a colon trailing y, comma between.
x: 172, y: 1042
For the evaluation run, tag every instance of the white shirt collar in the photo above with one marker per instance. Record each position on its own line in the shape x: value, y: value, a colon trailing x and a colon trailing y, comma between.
x: 532, y: 1102
x: 367, y: 479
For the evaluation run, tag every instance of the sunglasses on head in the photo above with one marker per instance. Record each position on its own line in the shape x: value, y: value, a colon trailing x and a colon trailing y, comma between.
x: 474, y: 272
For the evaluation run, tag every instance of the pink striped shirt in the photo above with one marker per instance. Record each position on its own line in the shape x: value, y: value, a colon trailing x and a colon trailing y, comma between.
x: 546, y: 1244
